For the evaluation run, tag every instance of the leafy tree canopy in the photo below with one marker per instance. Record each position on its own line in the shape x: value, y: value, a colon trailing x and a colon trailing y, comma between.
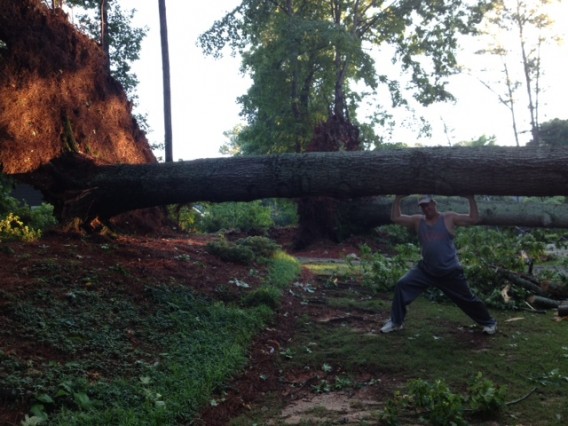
x: 554, y: 132
x: 311, y: 59
x: 125, y: 40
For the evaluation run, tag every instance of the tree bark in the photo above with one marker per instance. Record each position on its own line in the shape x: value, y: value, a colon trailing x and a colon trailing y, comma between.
x: 369, y: 213
x: 86, y: 191
x: 543, y: 302
x: 105, y: 42
x: 521, y: 282
x: 168, y: 134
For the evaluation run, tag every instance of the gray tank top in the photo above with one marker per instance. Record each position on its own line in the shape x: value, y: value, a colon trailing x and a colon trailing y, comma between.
x: 439, y: 254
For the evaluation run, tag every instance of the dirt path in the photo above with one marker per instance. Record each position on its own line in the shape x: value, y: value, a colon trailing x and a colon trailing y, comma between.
x: 284, y: 384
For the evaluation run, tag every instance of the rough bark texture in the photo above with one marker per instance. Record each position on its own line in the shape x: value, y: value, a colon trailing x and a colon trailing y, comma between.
x: 108, y: 190
x: 369, y: 213
x: 318, y: 217
x: 541, y: 302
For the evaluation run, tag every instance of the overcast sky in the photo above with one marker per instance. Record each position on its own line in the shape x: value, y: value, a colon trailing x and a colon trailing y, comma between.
x: 204, y: 90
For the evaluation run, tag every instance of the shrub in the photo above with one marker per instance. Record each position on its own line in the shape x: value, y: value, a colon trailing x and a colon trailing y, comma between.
x: 230, y: 252
x: 395, y: 234
x: 484, y: 396
x: 252, y: 217
x: 246, y: 217
x: 436, y: 403
x: 18, y: 220
x: 484, y: 250
x: 12, y: 228
x: 187, y: 216
x: 245, y: 250
x: 262, y: 247
x: 379, y: 272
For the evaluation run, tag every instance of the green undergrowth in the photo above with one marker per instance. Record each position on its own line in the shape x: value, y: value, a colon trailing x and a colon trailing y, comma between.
x: 440, y: 369
x: 115, y: 360
x: 153, y: 366
x: 118, y: 361
x: 283, y: 270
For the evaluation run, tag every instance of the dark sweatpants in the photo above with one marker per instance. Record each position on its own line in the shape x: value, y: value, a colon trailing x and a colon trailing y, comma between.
x: 454, y: 285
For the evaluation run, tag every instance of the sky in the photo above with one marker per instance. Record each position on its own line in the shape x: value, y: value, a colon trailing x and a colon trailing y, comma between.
x: 205, y: 90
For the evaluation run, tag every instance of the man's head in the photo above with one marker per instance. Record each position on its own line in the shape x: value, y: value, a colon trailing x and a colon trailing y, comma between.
x: 428, y: 206
x: 425, y: 199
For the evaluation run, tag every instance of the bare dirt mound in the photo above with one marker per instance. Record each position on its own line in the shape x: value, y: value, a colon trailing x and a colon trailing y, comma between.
x: 57, y: 94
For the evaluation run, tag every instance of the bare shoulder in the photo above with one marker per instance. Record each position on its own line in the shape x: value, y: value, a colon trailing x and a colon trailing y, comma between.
x: 457, y: 219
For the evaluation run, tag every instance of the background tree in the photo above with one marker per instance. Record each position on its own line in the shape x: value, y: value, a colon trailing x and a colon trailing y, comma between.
x: 119, y: 38
x: 311, y: 62
x: 306, y: 56
x: 554, y: 132
x: 518, y: 30
x: 104, y: 29
x: 168, y: 143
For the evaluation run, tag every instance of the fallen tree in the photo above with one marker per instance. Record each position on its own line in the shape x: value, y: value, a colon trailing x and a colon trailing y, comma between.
x: 78, y: 123
x: 543, y: 293
x: 367, y: 214
x: 78, y: 188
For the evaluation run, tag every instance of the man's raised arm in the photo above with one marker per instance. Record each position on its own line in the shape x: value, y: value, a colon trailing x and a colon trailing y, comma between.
x: 397, y: 216
x: 468, y: 219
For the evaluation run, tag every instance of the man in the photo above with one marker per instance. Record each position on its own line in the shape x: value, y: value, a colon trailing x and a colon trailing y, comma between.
x: 440, y: 266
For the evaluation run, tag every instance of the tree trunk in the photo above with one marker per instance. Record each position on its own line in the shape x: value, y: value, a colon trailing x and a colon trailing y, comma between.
x: 78, y: 189
x: 105, y: 42
x: 541, y: 302
x: 168, y: 138
x: 318, y: 217
x: 521, y: 282
x: 363, y: 214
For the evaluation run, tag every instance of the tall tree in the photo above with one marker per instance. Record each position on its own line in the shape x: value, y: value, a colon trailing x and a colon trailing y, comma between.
x: 104, y: 29
x: 168, y: 143
x: 518, y: 30
x: 119, y: 38
x: 305, y: 57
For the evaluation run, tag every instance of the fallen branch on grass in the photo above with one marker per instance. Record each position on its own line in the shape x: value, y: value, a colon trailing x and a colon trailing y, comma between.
x: 546, y: 295
x: 521, y: 399
x: 520, y: 281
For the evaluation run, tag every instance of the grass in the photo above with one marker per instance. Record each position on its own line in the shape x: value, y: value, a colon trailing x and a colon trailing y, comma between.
x: 284, y: 269
x: 329, y: 269
x: 188, y: 346
x: 160, y: 363
x: 116, y: 360
x: 528, y: 356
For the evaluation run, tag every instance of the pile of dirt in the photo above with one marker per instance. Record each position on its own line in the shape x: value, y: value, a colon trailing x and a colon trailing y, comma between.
x: 60, y: 106
x: 57, y: 94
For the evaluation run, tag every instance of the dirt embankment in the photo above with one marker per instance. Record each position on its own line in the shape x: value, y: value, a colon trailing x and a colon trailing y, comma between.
x: 57, y: 94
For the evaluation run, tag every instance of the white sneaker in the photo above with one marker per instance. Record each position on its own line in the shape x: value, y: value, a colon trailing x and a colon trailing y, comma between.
x: 490, y: 329
x: 390, y: 326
